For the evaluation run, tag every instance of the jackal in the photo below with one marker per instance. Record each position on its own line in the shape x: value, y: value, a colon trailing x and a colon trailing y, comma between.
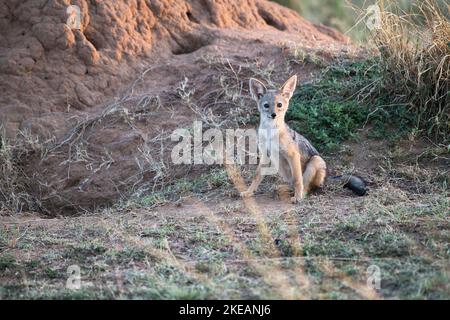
x: 299, y: 163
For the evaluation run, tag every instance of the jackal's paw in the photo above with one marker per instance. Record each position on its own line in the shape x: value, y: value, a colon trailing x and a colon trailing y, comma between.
x: 297, y: 198
x: 294, y: 200
x: 246, y: 194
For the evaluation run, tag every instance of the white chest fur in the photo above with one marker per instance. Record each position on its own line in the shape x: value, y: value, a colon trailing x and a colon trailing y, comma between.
x: 268, y: 139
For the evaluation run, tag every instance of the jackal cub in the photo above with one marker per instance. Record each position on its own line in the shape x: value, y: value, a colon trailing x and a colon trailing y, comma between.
x: 299, y: 163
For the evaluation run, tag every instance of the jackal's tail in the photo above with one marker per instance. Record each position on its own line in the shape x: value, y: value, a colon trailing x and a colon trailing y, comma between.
x: 354, y: 183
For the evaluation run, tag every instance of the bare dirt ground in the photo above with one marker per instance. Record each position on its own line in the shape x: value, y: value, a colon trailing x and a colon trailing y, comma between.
x: 208, y: 243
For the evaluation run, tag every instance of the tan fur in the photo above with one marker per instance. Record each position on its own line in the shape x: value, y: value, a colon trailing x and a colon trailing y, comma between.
x: 300, y: 164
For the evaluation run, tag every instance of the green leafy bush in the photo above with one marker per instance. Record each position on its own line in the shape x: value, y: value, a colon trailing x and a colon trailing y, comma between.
x: 343, y: 99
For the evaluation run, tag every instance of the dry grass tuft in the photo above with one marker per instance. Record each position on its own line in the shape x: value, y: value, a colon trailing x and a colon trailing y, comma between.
x: 415, y: 57
x: 14, y: 195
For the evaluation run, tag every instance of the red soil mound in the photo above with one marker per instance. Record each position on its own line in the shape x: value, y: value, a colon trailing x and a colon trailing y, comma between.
x: 77, y: 89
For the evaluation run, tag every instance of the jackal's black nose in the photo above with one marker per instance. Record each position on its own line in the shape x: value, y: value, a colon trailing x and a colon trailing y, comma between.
x: 273, y: 115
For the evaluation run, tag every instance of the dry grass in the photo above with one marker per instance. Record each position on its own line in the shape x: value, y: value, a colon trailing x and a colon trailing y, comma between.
x: 227, y: 248
x: 415, y: 56
x: 14, y: 191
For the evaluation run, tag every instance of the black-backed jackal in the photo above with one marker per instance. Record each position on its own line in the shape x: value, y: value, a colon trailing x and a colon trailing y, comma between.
x: 299, y: 163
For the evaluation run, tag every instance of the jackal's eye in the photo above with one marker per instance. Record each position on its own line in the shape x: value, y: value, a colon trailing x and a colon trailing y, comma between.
x: 266, y: 105
x: 279, y: 105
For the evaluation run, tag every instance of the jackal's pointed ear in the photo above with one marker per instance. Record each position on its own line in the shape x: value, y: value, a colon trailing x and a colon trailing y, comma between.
x: 289, y: 86
x: 257, y: 89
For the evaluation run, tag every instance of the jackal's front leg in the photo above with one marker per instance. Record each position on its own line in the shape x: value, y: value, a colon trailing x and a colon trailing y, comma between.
x: 255, y: 183
x: 297, y: 177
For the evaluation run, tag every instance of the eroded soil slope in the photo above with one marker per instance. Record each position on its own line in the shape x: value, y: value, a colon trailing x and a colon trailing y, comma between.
x: 104, y: 98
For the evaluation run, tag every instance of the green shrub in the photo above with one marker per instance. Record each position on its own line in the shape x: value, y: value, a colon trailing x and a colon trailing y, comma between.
x: 343, y: 99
